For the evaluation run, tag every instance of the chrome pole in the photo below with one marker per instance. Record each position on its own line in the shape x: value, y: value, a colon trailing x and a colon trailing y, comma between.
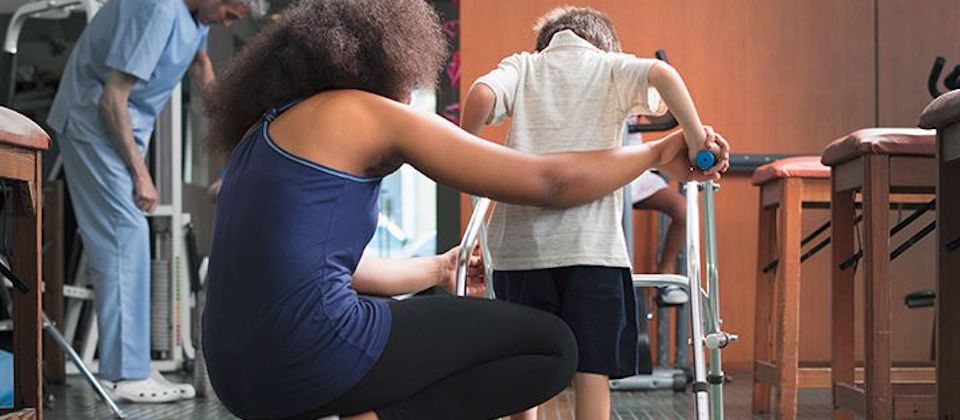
x: 713, y: 292
x: 78, y: 362
x: 693, y: 273
x: 470, y: 237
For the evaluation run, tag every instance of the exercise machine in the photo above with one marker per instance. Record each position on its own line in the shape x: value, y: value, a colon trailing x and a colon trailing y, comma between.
x: 50, y: 9
x: 708, y: 337
x: 951, y: 81
x: 655, y: 374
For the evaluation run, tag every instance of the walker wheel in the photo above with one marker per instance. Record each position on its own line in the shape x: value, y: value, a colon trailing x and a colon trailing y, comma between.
x: 679, y: 382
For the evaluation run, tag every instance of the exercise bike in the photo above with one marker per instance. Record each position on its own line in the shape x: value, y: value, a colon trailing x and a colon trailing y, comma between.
x: 709, y: 339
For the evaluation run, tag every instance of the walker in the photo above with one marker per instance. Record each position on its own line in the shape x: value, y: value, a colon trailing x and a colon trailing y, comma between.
x: 705, y: 317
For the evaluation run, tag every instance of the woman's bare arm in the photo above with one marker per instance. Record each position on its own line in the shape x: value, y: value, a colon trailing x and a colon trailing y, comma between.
x: 465, y: 162
x: 380, y: 130
x: 390, y: 277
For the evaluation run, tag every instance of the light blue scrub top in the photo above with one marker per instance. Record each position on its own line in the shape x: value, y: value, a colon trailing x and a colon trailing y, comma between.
x: 152, y: 40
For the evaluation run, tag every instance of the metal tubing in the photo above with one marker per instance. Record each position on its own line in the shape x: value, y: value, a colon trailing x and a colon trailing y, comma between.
x: 713, y: 292
x: 852, y: 261
x: 702, y: 405
x: 470, y: 237
x: 953, y: 245
x: 913, y: 240
x: 57, y: 9
x: 55, y: 334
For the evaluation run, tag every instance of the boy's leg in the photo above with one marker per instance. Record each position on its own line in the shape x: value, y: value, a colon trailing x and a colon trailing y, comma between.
x: 673, y: 205
x: 600, y: 305
x: 592, y: 396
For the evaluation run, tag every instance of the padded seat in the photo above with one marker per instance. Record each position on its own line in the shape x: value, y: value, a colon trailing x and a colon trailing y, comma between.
x: 878, y: 165
x: 881, y: 141
x: 943, y: 111
x: 793, y: 167
x: 18, y: 130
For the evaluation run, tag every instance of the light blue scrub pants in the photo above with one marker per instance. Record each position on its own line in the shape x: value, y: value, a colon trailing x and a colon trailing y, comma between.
x: 116, y: 240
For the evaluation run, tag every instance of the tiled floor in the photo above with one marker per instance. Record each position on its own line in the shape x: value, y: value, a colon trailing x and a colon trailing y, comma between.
x: 76, y: 401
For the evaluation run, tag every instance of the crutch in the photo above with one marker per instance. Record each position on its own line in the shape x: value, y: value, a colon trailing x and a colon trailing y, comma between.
x: 78, y: 362
x: 55, y: 334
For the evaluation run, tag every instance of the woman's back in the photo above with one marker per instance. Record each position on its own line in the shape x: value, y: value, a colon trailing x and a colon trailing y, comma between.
x: 288, y: 235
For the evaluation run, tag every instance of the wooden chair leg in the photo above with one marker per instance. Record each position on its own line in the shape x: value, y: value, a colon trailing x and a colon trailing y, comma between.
x: 54, y: 368
x: 876, y: 262
x: 26, y: 317
x: 948, y: 265
x: 788, y: 296
x: 763, y: 317
x: 842, y: 299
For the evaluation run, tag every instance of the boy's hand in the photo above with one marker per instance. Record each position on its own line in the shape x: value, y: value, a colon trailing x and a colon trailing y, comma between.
x: 720, y: 148
x: 705, y: 141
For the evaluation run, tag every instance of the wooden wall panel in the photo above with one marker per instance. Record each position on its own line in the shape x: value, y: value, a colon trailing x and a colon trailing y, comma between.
x: 774, y: 77
x: 912, y: 33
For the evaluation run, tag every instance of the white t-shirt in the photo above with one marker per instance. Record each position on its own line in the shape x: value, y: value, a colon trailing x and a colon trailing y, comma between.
x: 571, y: 96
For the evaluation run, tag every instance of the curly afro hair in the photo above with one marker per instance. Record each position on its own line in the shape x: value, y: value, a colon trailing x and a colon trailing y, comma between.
x: 386, y: 47
x: 589, y: 24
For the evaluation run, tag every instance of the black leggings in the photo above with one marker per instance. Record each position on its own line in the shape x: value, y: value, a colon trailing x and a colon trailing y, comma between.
x: 462, y: 358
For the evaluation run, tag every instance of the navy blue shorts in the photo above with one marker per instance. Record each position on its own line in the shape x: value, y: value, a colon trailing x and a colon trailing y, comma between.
x: 598, y: 303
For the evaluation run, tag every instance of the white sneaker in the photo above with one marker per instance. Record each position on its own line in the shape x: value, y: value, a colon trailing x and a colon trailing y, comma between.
x: 186, y: 391
x: 141, y: 391
x: 673, y: 295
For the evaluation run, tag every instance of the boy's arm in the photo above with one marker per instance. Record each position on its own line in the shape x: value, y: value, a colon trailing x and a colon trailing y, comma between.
x: 491, y: 97
x: 477, y: 108
x: 675, y: 95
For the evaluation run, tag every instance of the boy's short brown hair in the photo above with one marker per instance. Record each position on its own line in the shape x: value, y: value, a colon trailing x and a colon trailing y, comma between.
x: 589, y: 24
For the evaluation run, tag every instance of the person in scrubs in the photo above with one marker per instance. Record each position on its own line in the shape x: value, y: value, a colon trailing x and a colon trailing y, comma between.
x: 118, y: 78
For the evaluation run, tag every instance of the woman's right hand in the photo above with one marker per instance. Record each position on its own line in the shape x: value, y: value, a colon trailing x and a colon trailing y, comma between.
x: 675, y: 157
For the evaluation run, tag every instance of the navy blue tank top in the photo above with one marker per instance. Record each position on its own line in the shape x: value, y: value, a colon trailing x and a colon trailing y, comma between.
x: 283, y: 331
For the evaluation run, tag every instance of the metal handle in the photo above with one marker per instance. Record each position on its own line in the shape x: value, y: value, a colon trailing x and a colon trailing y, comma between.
x: 938, y: 64
x: 705, y: 160
x: 470, y: 237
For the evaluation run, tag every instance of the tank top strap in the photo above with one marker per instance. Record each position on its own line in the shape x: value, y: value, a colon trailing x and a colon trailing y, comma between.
x: 274, y: 112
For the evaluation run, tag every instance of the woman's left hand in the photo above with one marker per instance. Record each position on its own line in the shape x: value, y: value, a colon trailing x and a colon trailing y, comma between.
x: 476, y: 284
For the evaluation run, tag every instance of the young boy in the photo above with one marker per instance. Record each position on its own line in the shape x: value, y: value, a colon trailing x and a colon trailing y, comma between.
x: 573, y: 94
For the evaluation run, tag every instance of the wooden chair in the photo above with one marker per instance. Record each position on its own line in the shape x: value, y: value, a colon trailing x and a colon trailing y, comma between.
x: 944, y: 115
x: 21, y: 144
x: 876, y: 162
x: 787, y: 186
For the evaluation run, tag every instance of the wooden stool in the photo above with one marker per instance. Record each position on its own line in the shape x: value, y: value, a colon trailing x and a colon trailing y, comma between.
x: 787, y: 186
x: 877, y: 162
x: 21, y: 144
x: 944, y: 115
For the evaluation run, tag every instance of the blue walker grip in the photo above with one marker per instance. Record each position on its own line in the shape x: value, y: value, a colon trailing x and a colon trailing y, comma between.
x: 704, y: 160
